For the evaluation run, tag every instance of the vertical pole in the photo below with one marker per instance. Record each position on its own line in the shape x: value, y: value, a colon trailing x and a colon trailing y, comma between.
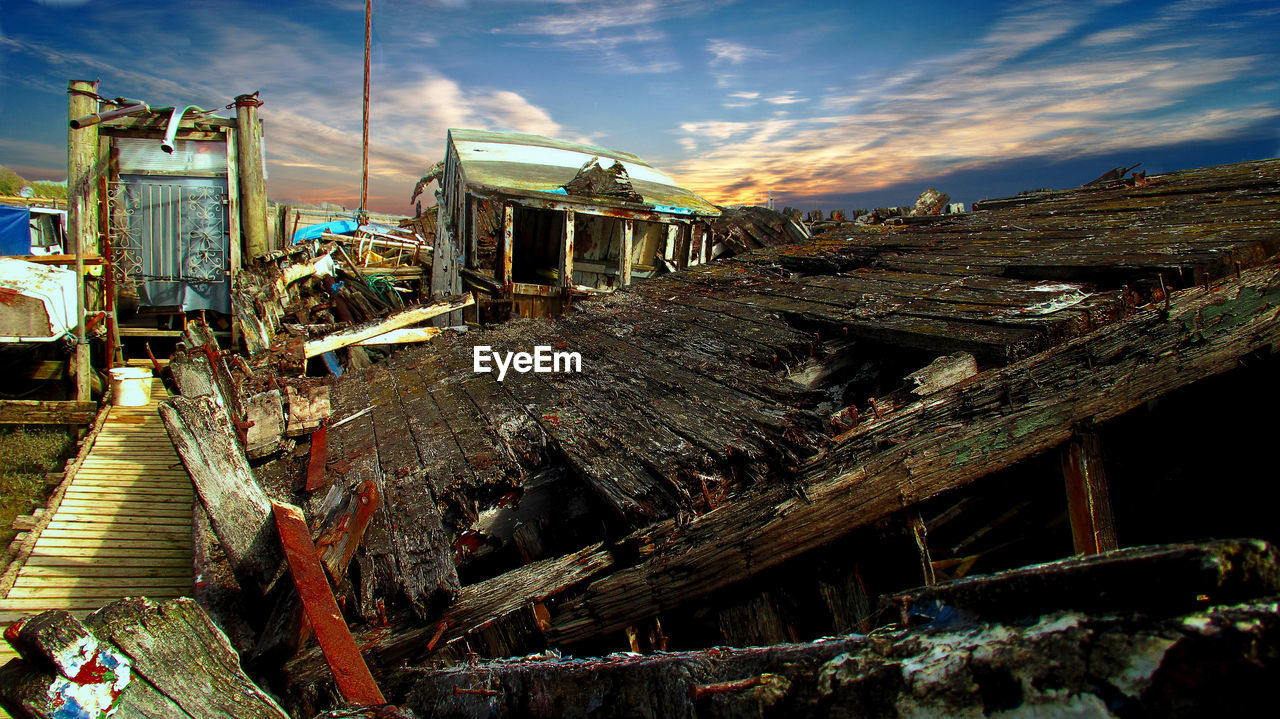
x: 1088, y: 499
x: 253, y: 186
x: 364, y: 145
x: 82, y: 210
x: 566, y: 251
x: 624, y: 261
x: 473, y: 232
x: 508, y: 242
x: 233, y: 228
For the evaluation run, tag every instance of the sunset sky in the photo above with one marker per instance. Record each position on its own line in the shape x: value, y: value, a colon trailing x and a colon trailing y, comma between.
x: 833, y: 105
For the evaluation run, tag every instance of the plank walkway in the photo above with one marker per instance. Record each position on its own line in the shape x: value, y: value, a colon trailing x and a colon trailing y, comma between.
x: 122, y: 527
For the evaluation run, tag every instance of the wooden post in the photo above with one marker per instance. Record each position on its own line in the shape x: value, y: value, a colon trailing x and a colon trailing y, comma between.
x: 624, y: 261
x: 82, y: 209
x: 253, y: 186
x: 1088, y: 501
x: 473, y: 232
x: 566, y: 251
x: 508, y: 242
x: 233, y: 224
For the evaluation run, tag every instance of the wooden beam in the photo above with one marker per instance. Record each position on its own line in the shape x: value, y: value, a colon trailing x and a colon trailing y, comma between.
x: 1093, y: 528
x: 253, y: 188
x: 370, y: 330
x: 25, y: 411
x: 624, y: 257
x: 566, y: 251
x: 508, y: 241
x: 82, y: 210
x: 159, y: 122
x: 239, y: 510
x: 234, y: 240
x: 350, y: 672
x: 402, y: 336
x: 89, y: 259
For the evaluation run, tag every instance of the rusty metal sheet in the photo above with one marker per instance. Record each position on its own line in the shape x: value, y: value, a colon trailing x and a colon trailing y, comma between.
x: 340, y: 651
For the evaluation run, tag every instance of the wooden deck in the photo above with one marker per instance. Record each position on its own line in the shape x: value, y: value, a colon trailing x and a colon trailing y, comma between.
x: 122, y: 526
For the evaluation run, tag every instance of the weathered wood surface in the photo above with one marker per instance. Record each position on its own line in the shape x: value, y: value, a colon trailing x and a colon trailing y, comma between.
x: 239, y: 510
x: 1006, y: 416
x: 1150, y: 660
x: 375, y: 328
x: 685, y: 427
x: 180, y: 665
x: 18, y: 411
x: 993, y: 421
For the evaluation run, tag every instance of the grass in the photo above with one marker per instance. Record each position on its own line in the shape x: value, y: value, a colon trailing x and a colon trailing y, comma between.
x: 26, y: 454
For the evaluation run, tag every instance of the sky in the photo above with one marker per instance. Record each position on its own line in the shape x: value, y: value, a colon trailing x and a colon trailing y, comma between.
x: 832, y: 105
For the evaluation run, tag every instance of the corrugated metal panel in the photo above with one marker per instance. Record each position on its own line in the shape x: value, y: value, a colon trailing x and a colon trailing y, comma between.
x: 142, y: 155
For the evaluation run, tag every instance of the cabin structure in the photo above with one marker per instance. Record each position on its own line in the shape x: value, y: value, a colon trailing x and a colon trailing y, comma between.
x: 568, y: 218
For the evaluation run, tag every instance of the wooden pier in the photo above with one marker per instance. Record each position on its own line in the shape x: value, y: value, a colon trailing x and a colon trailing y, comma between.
x: 119, y: 525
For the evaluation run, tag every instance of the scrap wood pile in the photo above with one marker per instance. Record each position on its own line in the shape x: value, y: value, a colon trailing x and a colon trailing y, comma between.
x: 730, y: 422
x: 332, y: 292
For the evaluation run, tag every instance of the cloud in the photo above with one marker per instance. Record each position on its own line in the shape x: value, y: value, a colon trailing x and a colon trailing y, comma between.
x: 1027, y: 88
x: 787, y: 98
x: 616, y: 36
x: 726, y: 52
x: 312, y: 110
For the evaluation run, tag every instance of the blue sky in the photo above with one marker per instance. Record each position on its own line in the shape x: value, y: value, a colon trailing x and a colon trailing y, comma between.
x: 823, y: 104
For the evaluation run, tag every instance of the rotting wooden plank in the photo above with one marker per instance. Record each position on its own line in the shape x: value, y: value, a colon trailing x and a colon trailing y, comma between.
x: 424, y: 554
x: 374, y: 328
x: 238, y: 509
x: 341, y: 653
x: 14, y: 411
x: 843, y: 492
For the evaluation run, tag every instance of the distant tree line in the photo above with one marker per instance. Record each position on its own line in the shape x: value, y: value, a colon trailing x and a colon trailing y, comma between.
x: 11, y: 183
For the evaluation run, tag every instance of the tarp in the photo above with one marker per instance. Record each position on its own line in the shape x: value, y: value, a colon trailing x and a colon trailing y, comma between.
x: 313, y: 232
x: 15, y: 230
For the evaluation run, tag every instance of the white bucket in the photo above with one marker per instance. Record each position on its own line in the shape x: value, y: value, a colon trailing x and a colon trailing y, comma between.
x: 130, y: 386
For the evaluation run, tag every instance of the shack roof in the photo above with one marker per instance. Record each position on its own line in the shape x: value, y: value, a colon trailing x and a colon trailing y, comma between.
x: 519, y: 164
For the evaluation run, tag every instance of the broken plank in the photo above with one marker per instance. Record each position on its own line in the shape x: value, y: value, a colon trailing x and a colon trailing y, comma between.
x: 374, y: 328
x: 238, y: 509
x: 349, y: 670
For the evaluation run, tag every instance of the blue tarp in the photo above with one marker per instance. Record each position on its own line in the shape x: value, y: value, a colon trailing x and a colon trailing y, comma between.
x: 15, y: 230
x: 313, y: 232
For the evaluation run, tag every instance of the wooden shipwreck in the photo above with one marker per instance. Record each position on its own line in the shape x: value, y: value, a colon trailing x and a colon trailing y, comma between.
x: 775, y: 448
